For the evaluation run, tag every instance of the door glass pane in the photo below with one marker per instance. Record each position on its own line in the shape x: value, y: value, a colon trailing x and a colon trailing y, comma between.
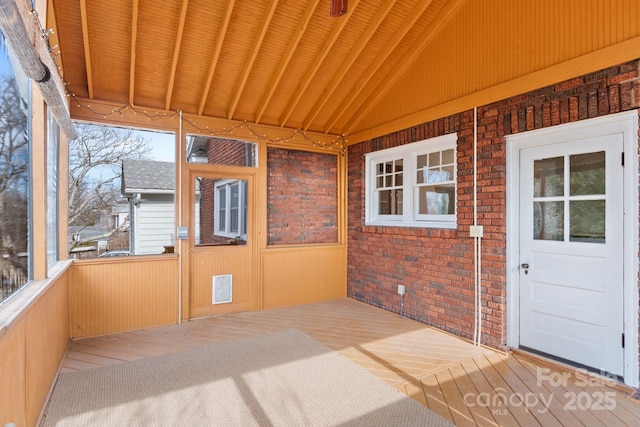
x: 587, y: 221
x: 220, y: 211
x: 548, y: 220
x: 548, y: 177
x: 587, y: 174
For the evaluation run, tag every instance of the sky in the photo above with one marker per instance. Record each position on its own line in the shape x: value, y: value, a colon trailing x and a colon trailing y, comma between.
x: 162, y: 145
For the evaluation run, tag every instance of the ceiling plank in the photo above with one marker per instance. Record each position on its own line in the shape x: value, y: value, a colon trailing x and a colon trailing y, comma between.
x: 440, y: 20
x: 391, y: 45
x: 252, y: 58
x: 324, y: 51
x: 222, y: 32
x: 176, y: 54
x: 286, y: 58
x: 134, y: 40
x: 351, y: 57
x: 87, y: 49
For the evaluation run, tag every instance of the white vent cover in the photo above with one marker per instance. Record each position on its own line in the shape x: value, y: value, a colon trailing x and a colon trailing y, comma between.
x: 221, y: 289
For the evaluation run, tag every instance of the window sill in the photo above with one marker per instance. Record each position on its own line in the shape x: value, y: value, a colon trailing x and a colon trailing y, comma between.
x: 12, y: 309
x: 442, y: 233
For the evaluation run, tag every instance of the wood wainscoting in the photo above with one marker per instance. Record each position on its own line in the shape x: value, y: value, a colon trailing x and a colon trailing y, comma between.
x: 303, y: 274
x: 115, y: 295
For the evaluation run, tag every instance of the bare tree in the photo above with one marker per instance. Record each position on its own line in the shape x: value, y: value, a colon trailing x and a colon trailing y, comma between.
x: 14, y: 189
x: 95, y: 171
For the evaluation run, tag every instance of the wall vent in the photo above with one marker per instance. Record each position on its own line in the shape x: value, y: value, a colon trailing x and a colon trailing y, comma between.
x: 221, y: 289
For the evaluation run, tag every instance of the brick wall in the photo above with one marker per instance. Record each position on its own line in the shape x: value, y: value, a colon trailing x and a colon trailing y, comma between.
x: 436, y: 265
x: 302, y: 197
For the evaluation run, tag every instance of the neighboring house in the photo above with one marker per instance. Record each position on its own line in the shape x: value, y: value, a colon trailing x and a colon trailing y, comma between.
x: 149, y: 188
x: 120, y: 214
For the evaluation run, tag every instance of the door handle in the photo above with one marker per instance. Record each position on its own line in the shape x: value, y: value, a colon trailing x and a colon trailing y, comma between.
x: 525, y: 267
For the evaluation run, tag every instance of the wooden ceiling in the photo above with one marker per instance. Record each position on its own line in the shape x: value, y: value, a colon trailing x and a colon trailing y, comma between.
x: 281, y: 63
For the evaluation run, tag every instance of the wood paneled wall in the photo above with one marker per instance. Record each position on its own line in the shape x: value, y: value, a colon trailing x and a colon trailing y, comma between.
x: 31, y: 348
x: 495, y: 49
x: 301, y: 275
x: 123, y: 294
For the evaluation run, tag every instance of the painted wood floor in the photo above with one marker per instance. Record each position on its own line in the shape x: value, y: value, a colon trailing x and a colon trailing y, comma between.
x: 463, y: 383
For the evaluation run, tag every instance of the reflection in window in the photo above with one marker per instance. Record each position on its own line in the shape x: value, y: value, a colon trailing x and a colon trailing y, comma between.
x: 53, y: 141
x: 582, y: 195
x: 548, y: 177
x: 15, y: 105
x: 221, y: 211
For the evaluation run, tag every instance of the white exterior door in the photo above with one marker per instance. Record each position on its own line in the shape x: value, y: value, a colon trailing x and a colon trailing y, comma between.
x: 571, y: 286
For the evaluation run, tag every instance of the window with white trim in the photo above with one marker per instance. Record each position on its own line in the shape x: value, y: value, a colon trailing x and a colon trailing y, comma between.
x: 413, y: 185
x: 231, y: 208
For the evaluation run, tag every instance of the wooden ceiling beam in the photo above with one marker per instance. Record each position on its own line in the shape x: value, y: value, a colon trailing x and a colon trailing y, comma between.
x: 176, y: 54
x: 324, y: 51
x: 87, y: 49
x: 351, y: 57
x: 379, y: 60
x: 54, y: 24
x: 134, y: 41
x: 286, y: 58
x: 257, y: 44
x: 438, y: 22
x: 222, y: 32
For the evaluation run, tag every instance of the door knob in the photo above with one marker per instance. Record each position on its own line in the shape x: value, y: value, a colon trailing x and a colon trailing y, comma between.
x: 525, y: 265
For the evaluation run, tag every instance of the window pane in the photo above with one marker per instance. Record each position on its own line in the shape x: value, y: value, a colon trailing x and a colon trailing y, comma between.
x: 587, y: 174
x: 388, y: 167
x: 53, y: 138
x: 548, y: 177
x: 447, y: 173
x: 15, y: 134
x: 398, y: 165
x: 422, y: 161
x: 390, y: 202
x: 220, y: 151
x: 587, y: 221
x: 434, y: 159
x: 398, y: 179
x: 436, y: 200
x: 548, y: 221
x: 380, y: 182
x: 447, y: 157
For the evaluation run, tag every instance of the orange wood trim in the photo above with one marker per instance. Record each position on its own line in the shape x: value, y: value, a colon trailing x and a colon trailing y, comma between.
x: 134, y: 40
x: 87, y: 48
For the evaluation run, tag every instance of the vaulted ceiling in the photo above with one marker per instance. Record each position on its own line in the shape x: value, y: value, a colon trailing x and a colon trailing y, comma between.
x: 282, y: 63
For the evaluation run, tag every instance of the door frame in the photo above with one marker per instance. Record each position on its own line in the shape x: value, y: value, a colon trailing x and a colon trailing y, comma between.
x: 215, y: 171
x: 621, y: 123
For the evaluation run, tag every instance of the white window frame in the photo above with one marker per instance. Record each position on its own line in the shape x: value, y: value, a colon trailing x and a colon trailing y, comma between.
x: 409, y: 154
x: 223, y: 229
